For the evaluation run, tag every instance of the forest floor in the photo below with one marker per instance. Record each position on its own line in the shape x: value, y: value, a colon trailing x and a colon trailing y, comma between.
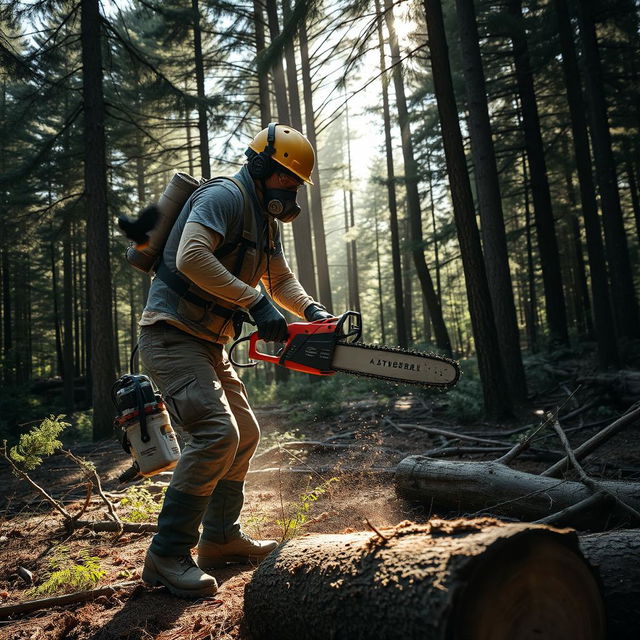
x: 373, y: 433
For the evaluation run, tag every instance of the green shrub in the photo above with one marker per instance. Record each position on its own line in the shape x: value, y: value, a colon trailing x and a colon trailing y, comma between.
x: 40, y: 441
x: 67, y: 575
x: 298, y: 511
x: 141, y: 504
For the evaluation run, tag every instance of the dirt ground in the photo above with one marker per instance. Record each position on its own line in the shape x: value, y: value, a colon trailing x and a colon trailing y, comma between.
x: 377, y: 434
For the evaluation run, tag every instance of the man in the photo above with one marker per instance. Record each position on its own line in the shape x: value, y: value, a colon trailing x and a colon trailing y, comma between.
x: 225, y: 241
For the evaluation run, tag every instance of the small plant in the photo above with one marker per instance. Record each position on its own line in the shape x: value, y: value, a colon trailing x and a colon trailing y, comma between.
x: 141, y: 503
x: 67, y: 575
x: 275, y: 438
x: 290, y: 525
x: 254, y: 525
x: 40, y: 441
x: 43, y: 441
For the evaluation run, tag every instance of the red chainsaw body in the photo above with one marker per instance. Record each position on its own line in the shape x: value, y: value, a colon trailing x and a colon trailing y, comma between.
x: 299, y: 334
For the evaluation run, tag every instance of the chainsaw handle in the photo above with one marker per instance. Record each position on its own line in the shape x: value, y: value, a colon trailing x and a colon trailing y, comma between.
x: 254, y: 354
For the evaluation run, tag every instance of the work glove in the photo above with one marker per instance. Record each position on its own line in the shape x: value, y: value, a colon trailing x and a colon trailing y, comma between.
x: 316, y: 312
x: 272, y: 327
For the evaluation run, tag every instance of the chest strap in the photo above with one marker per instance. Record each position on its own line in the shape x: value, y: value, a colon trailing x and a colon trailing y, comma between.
x: 182, y: 286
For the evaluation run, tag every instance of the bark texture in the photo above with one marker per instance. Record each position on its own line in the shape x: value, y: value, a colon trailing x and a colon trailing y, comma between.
x: 101, y: 363
x: 494, y: 382
x: 461, y: 579
x: 616, y: 557
x: 465, y: 486
x: 413, y: 196
x: 545, y: 226
x: 490, y: 201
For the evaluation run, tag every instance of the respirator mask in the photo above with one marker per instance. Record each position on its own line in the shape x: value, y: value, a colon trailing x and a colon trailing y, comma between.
x: 281, y: 204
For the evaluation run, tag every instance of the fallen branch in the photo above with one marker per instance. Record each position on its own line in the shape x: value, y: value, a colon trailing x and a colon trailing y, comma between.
x: 319, y: 445
x: 449, y: 434
x: 21, y: 474
x: 586, y: 480
x: 90, y: 471
x: 58, y: 601
x: 376, y: 471
x: 569, y: 514
x: 101, y: 526
x: 593, y: 443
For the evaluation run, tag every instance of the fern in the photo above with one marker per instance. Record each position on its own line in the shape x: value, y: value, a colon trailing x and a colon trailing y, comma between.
x: 66, y: 575
x: 40, y: 441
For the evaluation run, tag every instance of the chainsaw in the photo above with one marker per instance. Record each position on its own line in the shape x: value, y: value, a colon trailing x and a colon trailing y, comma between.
x: 325, y: 347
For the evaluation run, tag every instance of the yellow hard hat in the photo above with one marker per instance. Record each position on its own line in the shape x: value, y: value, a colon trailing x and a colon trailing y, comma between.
x: 287, y: 147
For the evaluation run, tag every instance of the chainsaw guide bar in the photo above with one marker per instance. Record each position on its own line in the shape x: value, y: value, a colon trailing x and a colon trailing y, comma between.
x: 396, y: 365
x: 327, y: 346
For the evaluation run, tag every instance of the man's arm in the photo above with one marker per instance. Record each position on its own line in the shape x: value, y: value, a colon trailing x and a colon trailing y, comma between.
x: 195, y: 260
x: 284, y: 287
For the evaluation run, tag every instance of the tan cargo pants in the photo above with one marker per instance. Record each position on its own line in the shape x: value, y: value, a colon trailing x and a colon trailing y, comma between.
x: 208, y: 401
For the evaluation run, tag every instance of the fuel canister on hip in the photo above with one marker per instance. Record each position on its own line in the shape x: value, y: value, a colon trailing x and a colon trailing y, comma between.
x: 145, y: 425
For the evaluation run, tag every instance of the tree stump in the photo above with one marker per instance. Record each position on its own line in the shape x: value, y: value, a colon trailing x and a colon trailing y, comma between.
x: 465, y: 579
x: 616, y: 557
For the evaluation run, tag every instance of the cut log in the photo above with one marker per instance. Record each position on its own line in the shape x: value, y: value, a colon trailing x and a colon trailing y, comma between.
x: 470, y: 487
x: 468, y: 579
x: 616, y: 557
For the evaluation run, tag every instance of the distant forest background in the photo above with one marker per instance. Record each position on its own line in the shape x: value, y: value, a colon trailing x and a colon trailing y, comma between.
x: 476, y: 181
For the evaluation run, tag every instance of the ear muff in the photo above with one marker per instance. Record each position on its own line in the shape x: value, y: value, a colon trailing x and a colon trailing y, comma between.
x: 261, y: 165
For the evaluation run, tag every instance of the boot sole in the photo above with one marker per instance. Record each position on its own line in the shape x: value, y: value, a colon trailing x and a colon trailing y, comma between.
x: 156, y: 580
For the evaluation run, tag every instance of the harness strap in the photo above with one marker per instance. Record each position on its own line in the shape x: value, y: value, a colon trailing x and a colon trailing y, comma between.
x: 182, y: 286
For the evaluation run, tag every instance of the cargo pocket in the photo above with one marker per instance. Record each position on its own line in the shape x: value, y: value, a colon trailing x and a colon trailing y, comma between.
x: 187, y: 402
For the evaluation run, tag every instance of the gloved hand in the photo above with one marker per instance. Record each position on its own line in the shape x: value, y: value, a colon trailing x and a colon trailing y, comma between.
x: 272, y: 327
x: 316, y: 312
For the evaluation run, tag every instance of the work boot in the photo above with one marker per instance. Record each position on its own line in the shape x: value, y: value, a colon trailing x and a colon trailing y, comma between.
x: 179, y: 574
x: 240, y: 549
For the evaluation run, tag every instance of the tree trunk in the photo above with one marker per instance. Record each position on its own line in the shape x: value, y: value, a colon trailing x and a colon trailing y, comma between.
x: 205, y: 162
x: 98, y: 267
x: 490, y: 204
x: 280, y: 85
x: 547, y: 241
x: 492, y: 375
x: 56, y: 312
x: 320, y: 244
x: 407, y: 277
x: 401, y: 328
x: 302, y: 224
x: 633, y: 185
x: 7, y: 315
x: 351, y: 242
x: 263, y: 78
x: 616, y: 557
x: 602, y: 316
x: 413, y: 197
x: 532, y: 296
x: 468, y: 579
x: 460, y: 486
x: 624, y: 297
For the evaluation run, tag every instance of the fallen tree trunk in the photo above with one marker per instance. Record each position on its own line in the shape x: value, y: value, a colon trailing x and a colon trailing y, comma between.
x: 470, y: 487
x: 462, y: 579
x: 616, y: 557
